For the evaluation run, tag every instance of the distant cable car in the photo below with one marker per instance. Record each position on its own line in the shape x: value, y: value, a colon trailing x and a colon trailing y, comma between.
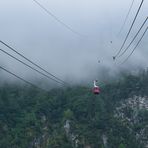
x: 96, y: 89
x: 114, y: 58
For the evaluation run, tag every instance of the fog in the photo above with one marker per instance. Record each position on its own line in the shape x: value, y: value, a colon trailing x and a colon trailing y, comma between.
x: 69, y: 56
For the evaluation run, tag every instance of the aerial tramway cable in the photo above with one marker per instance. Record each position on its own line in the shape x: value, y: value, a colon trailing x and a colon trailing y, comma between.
x: 135, y: 46
x: 126, y: 17
x: 56, y: 18
x: 30, y: 66
x: 134, y: 37
x: 20, y: 78
x: 14, y: 50
x: 114, y: 57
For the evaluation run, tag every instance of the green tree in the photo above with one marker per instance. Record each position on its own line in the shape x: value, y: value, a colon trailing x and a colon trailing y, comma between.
x: 122, y: 145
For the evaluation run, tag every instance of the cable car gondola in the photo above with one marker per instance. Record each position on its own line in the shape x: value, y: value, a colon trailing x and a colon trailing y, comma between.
x: 96, y: 89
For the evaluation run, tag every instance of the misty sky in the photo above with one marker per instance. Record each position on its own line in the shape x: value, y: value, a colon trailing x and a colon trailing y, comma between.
x: 26, y: 27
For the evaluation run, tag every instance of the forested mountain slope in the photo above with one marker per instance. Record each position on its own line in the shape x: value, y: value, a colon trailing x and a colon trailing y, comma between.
x: 74, y: 117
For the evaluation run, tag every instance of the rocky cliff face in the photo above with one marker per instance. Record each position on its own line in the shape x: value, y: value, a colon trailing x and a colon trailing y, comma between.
x: 133, y: 113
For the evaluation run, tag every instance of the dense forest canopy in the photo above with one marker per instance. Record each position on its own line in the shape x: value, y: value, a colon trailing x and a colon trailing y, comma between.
x: 74, y: 116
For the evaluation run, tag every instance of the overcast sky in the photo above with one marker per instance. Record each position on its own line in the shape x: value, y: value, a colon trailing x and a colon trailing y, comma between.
x: 29, y: 29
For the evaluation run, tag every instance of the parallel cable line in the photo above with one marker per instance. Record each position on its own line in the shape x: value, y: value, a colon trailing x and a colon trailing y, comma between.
x: 31, y: 62
x: 134, y: 37
x: 126, y: 17
x: 135, y: 46
x: 114, y: 57
x: 30, y: 66
x: 20, y: 78
x: 56, y: 18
